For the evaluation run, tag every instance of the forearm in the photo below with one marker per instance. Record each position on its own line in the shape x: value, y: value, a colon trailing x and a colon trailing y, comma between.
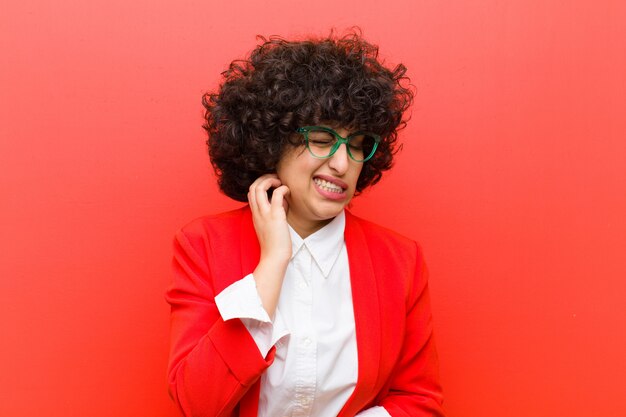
x: 213, y: 362
x: 268, y: 276
x: 211, y: 378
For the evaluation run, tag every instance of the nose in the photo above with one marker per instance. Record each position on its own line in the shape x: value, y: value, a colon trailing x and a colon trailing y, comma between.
x: 340, y: 160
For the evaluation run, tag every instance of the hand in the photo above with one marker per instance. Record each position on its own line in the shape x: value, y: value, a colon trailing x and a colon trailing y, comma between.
x: 270, y: 218
x: 272, y: 230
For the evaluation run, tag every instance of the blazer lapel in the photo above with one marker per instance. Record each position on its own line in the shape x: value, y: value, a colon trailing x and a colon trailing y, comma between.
x: 366, y: 316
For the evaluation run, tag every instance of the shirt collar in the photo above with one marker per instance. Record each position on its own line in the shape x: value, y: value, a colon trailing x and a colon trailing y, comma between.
x: 324, y: 245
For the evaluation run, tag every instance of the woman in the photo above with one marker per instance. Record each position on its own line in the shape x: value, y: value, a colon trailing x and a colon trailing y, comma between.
x: 292, y: 306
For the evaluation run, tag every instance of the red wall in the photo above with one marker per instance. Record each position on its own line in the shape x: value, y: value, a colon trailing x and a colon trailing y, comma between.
x: 513, y: 178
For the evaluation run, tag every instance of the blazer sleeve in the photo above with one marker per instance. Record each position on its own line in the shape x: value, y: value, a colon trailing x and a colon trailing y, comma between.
x: 212, y: 363
x: 413, y: 389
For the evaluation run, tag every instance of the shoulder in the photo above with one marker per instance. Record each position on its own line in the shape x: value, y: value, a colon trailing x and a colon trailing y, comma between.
x: 382, y: 238
x: 213, y: 232
x: 215, y: 224
x: 400, y: 258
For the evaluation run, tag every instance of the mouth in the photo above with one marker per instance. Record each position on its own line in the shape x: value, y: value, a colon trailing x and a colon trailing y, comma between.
x: 330, y: 188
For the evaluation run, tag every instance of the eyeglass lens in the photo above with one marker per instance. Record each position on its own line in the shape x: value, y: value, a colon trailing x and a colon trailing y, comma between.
x: 321, y: 144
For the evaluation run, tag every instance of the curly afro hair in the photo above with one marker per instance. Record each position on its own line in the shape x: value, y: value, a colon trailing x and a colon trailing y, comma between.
x: 284, y: 85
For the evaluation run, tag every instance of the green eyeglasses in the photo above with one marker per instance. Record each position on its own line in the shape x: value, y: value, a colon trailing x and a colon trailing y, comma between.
x: 322, y: 142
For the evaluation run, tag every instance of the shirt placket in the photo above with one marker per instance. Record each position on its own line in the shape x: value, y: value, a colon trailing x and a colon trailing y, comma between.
x: 306, y: 344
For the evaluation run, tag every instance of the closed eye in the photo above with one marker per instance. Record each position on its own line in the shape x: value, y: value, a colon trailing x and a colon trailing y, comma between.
x: 321, y: 142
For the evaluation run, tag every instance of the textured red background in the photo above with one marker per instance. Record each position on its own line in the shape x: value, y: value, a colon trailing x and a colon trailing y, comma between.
x: 512, y: 177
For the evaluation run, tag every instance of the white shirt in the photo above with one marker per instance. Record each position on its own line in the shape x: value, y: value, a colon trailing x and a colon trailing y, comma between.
x: 316, y: 363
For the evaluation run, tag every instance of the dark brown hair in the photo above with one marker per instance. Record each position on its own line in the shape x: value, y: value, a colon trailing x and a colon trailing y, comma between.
x: 284, y: 85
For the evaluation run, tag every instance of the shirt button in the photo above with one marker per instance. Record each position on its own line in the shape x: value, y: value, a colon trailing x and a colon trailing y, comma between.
x: 302, y: 285
x: 306, y: 341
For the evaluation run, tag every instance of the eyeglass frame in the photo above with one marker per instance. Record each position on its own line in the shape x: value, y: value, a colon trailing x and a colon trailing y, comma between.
x: 304, y: 130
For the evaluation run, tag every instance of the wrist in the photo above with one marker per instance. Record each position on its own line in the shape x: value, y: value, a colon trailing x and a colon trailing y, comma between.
x: 277, y: 261
x: 271, y: 269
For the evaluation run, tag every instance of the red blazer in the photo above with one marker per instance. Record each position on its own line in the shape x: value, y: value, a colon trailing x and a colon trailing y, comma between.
x: 215, y: 366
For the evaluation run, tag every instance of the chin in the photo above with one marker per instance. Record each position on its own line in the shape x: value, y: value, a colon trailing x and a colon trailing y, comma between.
x: 331, y: 211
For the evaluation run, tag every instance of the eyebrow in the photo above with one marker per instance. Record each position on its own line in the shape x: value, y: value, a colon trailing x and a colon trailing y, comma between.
x: 333, y: 128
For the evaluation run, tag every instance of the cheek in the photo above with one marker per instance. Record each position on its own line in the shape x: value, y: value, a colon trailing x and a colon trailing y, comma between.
x: 357, y: 172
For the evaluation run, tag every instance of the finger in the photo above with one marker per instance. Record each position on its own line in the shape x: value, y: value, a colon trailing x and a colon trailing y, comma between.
x: 264, y: 177
x: 252, y: 200
x: 278, y: 199
x: 252, y: 203
x: 252, y: 189
x: 261, y: 191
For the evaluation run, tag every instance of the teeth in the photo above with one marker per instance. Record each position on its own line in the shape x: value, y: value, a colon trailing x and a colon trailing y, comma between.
x: 328, y: 186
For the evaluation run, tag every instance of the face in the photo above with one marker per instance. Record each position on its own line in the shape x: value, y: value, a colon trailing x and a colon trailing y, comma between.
x: 319, y: 188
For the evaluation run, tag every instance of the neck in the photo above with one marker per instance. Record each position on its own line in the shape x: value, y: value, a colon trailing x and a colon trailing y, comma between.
x: 305, y: 228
